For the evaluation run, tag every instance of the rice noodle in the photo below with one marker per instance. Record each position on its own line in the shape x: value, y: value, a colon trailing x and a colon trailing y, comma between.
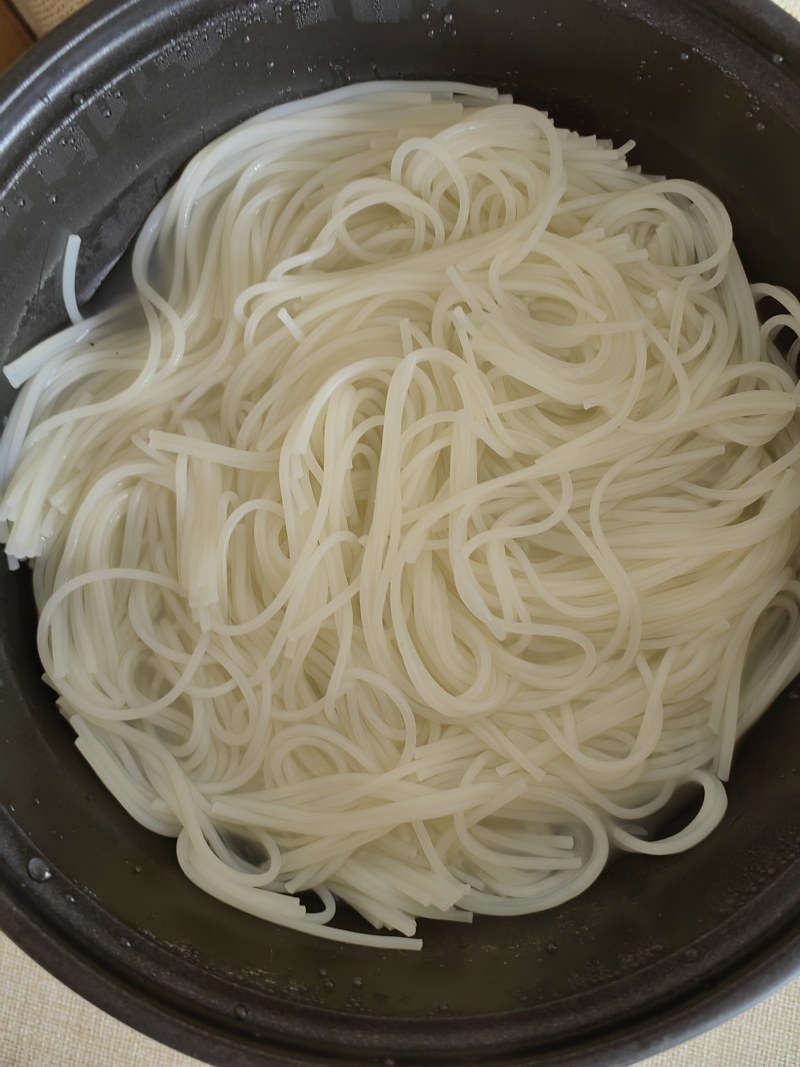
x: 434, y: 522
x: 71, y: 253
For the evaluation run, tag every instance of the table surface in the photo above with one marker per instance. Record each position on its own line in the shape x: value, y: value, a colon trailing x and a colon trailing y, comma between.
x: 43, y: 1022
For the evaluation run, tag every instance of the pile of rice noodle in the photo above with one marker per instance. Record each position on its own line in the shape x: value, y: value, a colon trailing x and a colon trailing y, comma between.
x: 427, y: 517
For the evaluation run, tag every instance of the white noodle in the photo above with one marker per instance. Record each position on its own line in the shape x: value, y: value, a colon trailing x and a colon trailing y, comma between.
x: 435, y: 523
x: 71, y: 253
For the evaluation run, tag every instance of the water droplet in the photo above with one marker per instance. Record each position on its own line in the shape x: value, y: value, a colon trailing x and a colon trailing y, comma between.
x: 125, y: 942
x: 777, y: 58
x: 45, y: 98
x: 357, y: 983
x: 684, y: 56
x: 78, y: 99
x: 107, y: 113
x: 118, y: 93
x: 552, y: 946
x: 240, y: 1011
x: 52, y: 198
x: 271, y: 64
x: 246, y: 38
x: 691, y: 954
x: 38, y: 870
x: 323, y: 972
x: 329, y: 983
x: 748, y: 114
x: 10, y: 806
x: 70, y: 899
x: 137, y: 868
x: 760, y: 127
x: 448, y: 18
x: 431, y: 32
x: 21, y: 203
x: 425, y: 16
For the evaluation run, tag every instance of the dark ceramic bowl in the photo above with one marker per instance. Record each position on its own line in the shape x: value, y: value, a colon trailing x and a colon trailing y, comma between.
x: 94, y: 123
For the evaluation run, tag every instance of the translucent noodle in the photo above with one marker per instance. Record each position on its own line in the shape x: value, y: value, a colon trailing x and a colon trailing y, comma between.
x: 432, y: 523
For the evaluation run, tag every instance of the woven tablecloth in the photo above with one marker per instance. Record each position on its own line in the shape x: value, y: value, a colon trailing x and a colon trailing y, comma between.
x: 44, y: 1024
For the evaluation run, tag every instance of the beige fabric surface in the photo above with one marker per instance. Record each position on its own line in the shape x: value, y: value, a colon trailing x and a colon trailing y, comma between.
x: 43, y: 1023
x: 43, y: 15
